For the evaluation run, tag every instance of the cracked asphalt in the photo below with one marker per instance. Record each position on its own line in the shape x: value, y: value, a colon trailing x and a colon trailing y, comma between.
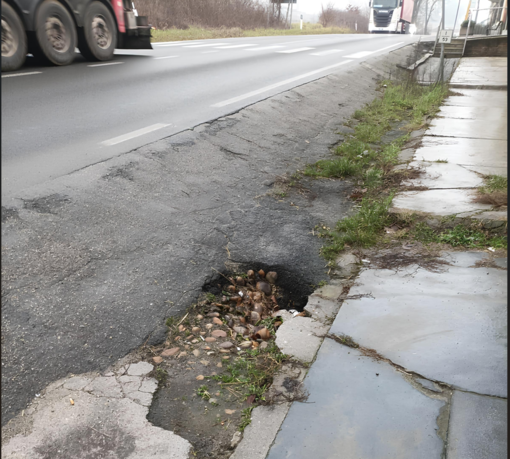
x: 94, y: 261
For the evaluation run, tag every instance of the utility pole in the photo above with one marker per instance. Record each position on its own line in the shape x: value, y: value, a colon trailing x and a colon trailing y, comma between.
x: 291, y: 11
x: 426, y: 12
x: 441, y: 62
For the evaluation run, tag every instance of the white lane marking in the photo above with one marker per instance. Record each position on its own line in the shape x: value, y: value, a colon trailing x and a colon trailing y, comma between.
x: 297, y: 50
x: 10, y: 75
x: 102, y: 65
x: 165, y: 57
x: 325, y: 53
x: 276, y: 85
x: 388, y: 47
x: 132, y: 135
x: 264, y: 48
x: 235, y: 46
x: 367, y: 53
x: 360, y: 54
x: 206, y: 45
x: 177, y: 43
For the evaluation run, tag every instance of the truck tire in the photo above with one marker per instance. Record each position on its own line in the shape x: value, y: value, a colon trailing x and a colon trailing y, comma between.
x: 14, y: 40
x: 56, y: 33
x: 98, y: 37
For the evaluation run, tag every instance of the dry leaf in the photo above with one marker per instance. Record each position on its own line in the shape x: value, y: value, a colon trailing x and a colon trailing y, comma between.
x: 72, y: 401
x: 230, y: 411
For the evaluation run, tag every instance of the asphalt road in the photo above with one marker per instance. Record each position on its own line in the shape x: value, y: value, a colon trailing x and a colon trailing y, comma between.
x: 59, y: 120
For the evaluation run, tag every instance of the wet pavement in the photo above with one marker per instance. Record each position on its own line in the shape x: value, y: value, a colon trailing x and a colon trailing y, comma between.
x: 429, y: 378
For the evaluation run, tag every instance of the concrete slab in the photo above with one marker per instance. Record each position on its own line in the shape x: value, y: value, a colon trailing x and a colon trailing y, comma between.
x: 449, y: 326
x: 444, y: 175
x: 358, y: 409
x: 259, y: 435
x: 478, y: 427
x: 478, y: 98
x: 439, y: 202
x: 470, y: 152
x: 488, y: 170
x: 91, y: 416
x: 472, y: 113
x: 301, y: 337
x: 322, y: 309
x: 471, y: 129
x: 480, y: 71
x: 464, y: 259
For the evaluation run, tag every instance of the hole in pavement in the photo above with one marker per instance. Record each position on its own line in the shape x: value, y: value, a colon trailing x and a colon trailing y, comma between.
x: 293, y: 290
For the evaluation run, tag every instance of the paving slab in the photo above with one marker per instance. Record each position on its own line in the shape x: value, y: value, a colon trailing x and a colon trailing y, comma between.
x: 439, y: 202
x: 471, y: 129
x: 447, y: 326
x: 478, y: 98
x: 358, y: 409
x: 478, y: 427
x: 469, y: 152
x: 472, y: 113
x: 487, y: 71
x: 444, y: 175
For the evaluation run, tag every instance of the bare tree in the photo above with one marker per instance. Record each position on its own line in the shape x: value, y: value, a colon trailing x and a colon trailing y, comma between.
x: 327, y: 15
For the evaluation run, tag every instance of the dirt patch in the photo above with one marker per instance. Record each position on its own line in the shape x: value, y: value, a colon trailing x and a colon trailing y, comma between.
x: 219, y: 360
x: 47, y: 204
x: 496, y: 199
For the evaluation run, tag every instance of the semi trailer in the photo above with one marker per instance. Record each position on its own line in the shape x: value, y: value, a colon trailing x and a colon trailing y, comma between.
x: 53, y: 29
x: 390, y: 16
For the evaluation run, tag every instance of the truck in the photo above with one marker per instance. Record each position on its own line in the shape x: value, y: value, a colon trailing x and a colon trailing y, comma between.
x: 390, y: 16
x: 51, y: 30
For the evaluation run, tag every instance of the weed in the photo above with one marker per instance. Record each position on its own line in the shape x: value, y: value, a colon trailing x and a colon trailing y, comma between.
x: 203, y: 393
x: 441, y: 161
x: 161, y: 375
x: 246, y: 418
x: 322, y: 283
x: 494, y: 191
x: 210, y: 297
x: 170, y: 322
x: 494, y: 183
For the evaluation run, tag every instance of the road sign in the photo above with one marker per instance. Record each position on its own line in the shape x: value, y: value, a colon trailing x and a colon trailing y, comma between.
x: 445, y: 36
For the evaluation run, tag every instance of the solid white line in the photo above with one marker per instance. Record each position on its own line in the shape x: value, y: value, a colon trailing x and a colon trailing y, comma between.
x: 165, y: 57
x: 132, y: 135
x: 19, y: 74
x: 206, y: 45
x: 235, y: 46
x: 360, y: 54
x: 297, y: 50
x: 388, y: 47
x: 102, y: 65
x: 264, y: 48
x: 325, y: 53
x: 367, y: 53
x: 276, y: 85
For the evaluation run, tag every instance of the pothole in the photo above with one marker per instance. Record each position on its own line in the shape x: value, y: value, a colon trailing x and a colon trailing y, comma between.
x: 219, y: 359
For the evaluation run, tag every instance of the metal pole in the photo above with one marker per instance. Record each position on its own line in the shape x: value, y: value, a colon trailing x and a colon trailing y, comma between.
x: 426, y: 12
x: 291, y: 11
x: 441, y: 61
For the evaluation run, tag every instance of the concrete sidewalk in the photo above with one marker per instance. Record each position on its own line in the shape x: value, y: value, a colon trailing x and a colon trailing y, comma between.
x: 429, y: 379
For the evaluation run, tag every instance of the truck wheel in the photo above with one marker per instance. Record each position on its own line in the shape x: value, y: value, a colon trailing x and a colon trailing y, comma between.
x: 14, y: 40
x: 55, y: 32
x: 98, y: 38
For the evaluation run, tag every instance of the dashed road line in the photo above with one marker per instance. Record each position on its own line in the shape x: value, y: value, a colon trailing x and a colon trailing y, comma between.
x: 132, y: 135
x: 235, y: 46
x: 165, y: 57
x: 297, y: 50
x: 176, y: 43
x: 264, y: 48
x: 105, y: 64
x: 11, y: 75
x: 276, y: 85
x: 205, y: 45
